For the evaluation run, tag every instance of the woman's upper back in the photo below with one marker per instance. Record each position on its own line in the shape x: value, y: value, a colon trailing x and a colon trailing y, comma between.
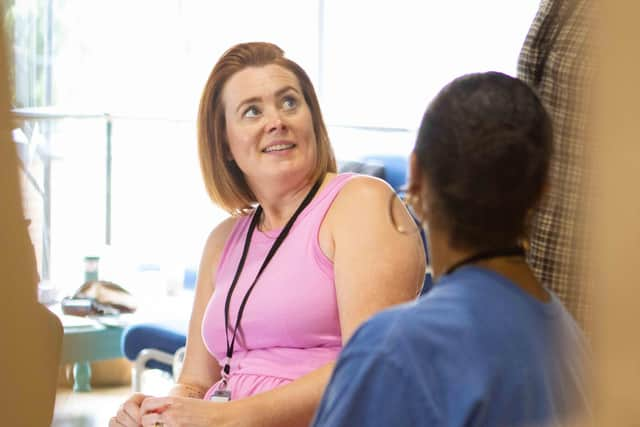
x: 476, y: 350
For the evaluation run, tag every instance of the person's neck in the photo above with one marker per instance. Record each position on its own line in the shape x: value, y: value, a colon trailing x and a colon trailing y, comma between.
x: 279, y: 202
x: 442, y: 255
x: 515, y: 268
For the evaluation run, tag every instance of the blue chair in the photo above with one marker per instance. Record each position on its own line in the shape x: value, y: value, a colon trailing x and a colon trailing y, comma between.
x: 153, y: 346
x: 161, y: 345
x: 158, y: 345
x: 395, y: 169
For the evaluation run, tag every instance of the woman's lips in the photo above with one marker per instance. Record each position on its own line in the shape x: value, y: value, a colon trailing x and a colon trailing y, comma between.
x: 278, y: 147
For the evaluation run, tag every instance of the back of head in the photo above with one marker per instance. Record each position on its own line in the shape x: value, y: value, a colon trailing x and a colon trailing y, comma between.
x: 224, y: 181
x: 484, y: 148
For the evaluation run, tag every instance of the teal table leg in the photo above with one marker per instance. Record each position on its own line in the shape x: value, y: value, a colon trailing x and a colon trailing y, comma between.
x: 85, y: 344
x: 82, y: 376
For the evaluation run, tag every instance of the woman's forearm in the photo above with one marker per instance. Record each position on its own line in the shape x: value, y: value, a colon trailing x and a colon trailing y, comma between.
x: 291, y: 405
x: 187, y: 390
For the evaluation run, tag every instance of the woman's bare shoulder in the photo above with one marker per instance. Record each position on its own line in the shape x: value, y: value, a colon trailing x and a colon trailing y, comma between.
x: 218, y: 237
x: 364, y: 190
x: 362, y: 196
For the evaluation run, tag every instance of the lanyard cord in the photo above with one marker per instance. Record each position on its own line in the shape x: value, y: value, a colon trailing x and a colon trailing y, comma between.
x: 283, y: 234
x: 495, y: 253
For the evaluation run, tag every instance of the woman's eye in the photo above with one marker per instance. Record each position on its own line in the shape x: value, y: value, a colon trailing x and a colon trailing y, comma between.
x: 289, y: 103
x: 251, y: 111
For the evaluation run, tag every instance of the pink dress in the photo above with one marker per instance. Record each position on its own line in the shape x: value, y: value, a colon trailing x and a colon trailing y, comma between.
x: 290, y: 324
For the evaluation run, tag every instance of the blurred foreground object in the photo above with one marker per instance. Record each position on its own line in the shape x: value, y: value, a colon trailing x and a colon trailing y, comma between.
x: 32, y: 335
x: 616, y: 222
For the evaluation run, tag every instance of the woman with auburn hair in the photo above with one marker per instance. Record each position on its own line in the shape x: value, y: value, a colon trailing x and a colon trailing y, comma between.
x: 305, y: 257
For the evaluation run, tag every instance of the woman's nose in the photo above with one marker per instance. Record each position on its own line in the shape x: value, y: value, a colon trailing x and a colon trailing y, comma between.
x: 274, y: 122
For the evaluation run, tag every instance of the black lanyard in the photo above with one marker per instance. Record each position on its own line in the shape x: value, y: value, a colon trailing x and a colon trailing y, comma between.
x: 283, y: 234
x: 495, y: 253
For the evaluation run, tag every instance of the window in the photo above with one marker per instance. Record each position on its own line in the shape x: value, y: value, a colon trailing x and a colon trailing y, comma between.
x: 384, y: 61
x: 375, y: 66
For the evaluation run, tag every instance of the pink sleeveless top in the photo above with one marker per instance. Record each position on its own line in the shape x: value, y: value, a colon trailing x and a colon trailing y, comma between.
x: 290, y: 325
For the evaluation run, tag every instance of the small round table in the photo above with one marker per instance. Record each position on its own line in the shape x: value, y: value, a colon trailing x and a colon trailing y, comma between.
x: 84, y: 344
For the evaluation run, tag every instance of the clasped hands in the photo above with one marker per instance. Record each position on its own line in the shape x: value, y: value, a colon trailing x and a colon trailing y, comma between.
x: 171, y: 411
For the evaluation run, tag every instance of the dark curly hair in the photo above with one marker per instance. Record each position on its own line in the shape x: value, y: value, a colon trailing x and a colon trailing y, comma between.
x: 484, y: 147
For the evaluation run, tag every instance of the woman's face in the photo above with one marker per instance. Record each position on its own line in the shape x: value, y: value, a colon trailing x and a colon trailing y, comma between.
x: 269, y: 125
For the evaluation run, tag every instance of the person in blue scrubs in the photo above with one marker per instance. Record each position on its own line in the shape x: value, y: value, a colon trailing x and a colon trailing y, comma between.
x: 489, y: 345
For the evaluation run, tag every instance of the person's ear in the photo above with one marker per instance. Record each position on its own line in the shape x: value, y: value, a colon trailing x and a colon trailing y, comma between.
x: 418, y: 189
x: 415, y: 176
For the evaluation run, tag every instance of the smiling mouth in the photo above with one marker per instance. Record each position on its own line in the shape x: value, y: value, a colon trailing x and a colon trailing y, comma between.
x: 278, y: 147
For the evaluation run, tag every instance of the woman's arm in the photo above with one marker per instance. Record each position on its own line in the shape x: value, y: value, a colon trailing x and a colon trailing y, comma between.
x: 200, y: 369
x: 375, y: 265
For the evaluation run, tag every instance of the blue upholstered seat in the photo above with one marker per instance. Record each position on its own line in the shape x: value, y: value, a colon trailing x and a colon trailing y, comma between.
x: 165, y: 336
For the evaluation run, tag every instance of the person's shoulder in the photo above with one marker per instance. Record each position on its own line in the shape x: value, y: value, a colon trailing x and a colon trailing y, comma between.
x: 219, y: 235
x: 386, y: 330
x: 442, y: 327
x: 443, y: 314
x: 441, y: 321
x: 373, y: 377
x: 362, y: 193
x: 467, y: 305
x: 222, y: 231
x: 410, y: 341
x: 365, y: 187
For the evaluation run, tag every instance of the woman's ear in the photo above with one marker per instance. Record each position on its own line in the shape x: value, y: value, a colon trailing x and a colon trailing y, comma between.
x: 417, y: 189
x: 415, y: 176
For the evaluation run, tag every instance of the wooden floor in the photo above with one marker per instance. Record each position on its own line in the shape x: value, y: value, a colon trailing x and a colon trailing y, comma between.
x: 95, y: 408
x: 92, y: 409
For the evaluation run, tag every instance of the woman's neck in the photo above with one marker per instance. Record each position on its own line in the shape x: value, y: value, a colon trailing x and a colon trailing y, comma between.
x: 442, y: 255
x: 279, y: 203
x: 514, y: 268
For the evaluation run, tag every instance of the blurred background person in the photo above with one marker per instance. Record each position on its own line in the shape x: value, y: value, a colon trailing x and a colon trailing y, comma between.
x: 556, y: 60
